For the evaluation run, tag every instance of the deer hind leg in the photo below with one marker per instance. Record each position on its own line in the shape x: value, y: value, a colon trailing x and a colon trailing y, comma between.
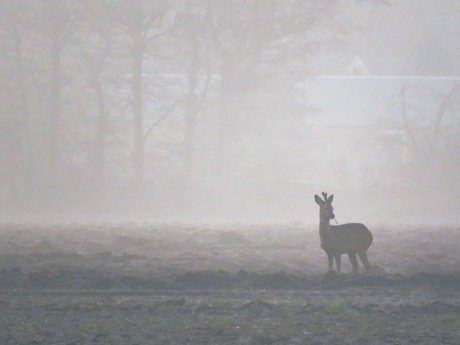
x: 365, y: 260
x: 354, y: 262
x: 338, y: 261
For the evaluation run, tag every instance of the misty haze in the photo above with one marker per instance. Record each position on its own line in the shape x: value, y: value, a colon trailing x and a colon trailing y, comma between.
x: 162, y: 163
x: 229, y: 110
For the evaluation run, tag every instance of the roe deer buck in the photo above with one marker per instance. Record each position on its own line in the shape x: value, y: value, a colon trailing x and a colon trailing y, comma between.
x: 351, y: 238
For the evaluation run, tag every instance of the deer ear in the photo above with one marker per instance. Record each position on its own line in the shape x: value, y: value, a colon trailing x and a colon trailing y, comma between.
x: 330, y: 198
x: 318, y: 200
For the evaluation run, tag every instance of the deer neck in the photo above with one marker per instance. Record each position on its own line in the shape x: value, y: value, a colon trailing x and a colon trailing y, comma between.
x: 324, y: 229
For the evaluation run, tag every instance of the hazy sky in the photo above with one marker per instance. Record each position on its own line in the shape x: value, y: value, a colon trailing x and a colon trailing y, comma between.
x: 399, y: 38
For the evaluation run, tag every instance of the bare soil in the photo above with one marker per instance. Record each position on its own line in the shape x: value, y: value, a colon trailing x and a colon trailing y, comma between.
x: 235, y: 284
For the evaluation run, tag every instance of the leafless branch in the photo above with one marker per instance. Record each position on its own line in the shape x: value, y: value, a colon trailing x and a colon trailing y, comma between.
x: 407, y: 126
x: 120, y: 140
x: 440, y: 114
x: 163, y: 116
x: 203, y: 94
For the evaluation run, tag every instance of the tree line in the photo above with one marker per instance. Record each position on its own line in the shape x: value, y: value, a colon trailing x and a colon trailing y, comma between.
x: 91, y: 88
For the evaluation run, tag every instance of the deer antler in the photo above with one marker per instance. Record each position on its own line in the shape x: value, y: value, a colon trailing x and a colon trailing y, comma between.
x: 324, y: 196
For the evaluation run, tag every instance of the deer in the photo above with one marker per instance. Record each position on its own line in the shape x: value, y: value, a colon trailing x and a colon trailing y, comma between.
x: 350, y: 238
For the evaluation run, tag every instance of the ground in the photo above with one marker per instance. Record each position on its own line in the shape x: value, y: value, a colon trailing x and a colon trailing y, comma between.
x: 234, y: 284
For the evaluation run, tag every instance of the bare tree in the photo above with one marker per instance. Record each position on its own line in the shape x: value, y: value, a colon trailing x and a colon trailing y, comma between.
x: 195, y: 56
x: 52, y: 27
x: 16, y: 143
x: 253, y: 40
x: 424, y: 129
x: 98, y: 51
x: 142, y: 24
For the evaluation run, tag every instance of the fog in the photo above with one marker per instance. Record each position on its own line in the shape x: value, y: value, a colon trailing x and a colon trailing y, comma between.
x: 229, y: 110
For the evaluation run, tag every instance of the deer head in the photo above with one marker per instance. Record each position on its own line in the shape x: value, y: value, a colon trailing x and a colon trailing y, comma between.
x: 326, y: 211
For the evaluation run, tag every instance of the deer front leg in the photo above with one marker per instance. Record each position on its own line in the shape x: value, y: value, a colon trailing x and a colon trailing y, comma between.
x: 330, y: 258
x: 338, y: 261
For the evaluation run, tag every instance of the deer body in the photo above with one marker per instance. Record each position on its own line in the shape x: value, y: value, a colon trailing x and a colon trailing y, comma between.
x: 352, y: 238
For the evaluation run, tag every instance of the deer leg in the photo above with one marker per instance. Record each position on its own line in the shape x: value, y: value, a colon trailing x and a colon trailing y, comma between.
x: 330, y: 258
x: 354, y: 262
x: 338, y: 258
x: 365, y: 260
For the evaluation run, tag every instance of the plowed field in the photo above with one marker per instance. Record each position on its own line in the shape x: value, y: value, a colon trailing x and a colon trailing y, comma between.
x: 234, y: 284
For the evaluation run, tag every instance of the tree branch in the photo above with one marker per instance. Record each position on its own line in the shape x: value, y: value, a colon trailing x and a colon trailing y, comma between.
x: 165, y: 114
x: 406, y: 123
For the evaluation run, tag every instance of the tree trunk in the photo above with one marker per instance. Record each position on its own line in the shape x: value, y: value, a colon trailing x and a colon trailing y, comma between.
x: 231, y: 98
x: 27, y: 177
x: 54, y: 130
x: 191, y: 112
x: 99, y: 159
x: 138, y: 115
